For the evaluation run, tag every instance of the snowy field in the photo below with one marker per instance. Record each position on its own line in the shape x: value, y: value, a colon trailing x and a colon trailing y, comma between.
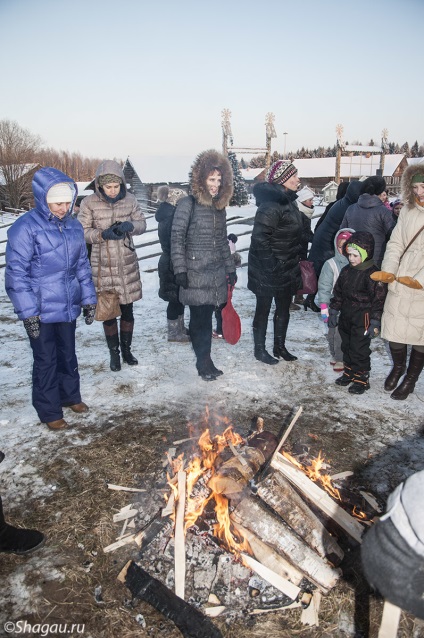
x: 379, y: 439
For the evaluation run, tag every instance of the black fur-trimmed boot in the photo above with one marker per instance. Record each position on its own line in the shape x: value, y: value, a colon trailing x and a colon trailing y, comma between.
x: 360, y: 383
x: 346, y: 378
x: 127, y: 328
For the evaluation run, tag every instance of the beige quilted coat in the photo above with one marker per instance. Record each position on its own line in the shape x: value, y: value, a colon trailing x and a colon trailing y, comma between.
x: 403, y: 315
x: 97, y: 214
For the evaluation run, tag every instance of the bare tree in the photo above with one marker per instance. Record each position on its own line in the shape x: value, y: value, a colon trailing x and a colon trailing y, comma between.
x: 18, y: 148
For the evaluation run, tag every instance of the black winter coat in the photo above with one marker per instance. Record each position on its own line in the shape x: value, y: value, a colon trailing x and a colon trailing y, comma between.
x: 168, y: 289
x: 323, y: 242
x: 370, y: 214
x: 273, y: 265
x: 354, y: 290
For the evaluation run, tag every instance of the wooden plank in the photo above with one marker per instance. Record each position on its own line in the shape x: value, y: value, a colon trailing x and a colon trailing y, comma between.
x: 256, y: 612
x: 319, y: 497
x: 309, y: 616
x: 286, y: 434
x: 179, y: 559
x: 290, y: 590
x: 121, y: 488
x: 122, y: 516
x: 389, y: 621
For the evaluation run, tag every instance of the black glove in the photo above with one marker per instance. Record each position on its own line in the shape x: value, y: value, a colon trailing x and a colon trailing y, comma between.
x: 32, y: 326
x: 333, y: 318
x: 88, y: 311
x: 125, y: 227
x: 232, y: 278
x: 112, y: 233
x: 373, y: 329
x: 181, y: 279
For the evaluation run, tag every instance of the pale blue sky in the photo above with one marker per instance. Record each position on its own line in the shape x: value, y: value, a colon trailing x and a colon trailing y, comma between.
x: 144, y: 78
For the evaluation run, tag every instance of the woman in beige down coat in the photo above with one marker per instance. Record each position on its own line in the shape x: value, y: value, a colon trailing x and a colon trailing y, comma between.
x: 110, y: 217
x: 403, y: 270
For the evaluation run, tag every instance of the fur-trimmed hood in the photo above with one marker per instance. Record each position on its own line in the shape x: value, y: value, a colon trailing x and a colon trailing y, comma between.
x: 406, y: 183
x: 204, y: 164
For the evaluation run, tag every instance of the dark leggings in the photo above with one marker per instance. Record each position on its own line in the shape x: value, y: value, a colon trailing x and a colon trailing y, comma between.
x: 126, y: 315
x: 263, y: 307
x: 174, y: 310
x: 201, y: 330
x: 400, y: 346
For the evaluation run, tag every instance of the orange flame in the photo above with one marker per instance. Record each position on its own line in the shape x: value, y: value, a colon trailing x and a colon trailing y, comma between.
x: 313, y: 472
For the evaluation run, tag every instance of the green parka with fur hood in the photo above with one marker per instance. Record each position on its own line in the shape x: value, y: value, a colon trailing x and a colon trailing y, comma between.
x: 403, y: 316
x: 199, y: 245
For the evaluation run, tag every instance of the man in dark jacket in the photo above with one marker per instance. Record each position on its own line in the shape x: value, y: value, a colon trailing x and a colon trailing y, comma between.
x: 323, y: 242
x: 369, y: 214
x: 273, y: 265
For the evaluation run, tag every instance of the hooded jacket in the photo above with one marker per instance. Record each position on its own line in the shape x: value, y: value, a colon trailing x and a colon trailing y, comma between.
x: 47, y: 270
x: 354, y: 290
x: 404, y: 308
x: 119, y: 265
x: 331, y: 271
x: 199, y: 245
x: 275, y: 246
x: 323, y: 242
x: 168, y: 289
x: 371, y: 215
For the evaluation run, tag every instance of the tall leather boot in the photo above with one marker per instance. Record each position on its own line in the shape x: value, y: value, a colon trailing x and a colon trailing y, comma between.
x: 280, y: 331
x: 127, y: 328
x: 112, y: 340
x: 415, y: 367
x: 259, y: 336
x: 399, y: 368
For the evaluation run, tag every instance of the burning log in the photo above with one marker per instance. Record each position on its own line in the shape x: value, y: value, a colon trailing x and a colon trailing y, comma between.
x: 189, y: 620
x: 277, y: 492
x: 234, y: 474
x: 318, y: 497
x: 272, y: 530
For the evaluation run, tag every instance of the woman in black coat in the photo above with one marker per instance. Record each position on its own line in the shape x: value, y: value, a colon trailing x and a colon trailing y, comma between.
x: 168, y: 289
x: 273, y: 265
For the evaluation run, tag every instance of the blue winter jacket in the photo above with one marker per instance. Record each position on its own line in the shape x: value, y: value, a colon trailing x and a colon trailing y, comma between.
x: 47, y: 269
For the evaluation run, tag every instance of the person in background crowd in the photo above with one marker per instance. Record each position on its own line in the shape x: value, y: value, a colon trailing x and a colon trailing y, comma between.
x: 305, y: 203
x: 392, y: 551
x: 273, y: 263
x: 232, y: 240
x: 110, y: 217
x: 341, y: 192
x: 403, y: 270
x: 385, y: 199
x: 200, y: 253
x: 168, y: 289
x: 48, y: 280
x: 17, y: 540
x: 323, y: 242
x: 356, y: 307
x: 396, y: 207
x: 326, y: 282
x: 369, y: 214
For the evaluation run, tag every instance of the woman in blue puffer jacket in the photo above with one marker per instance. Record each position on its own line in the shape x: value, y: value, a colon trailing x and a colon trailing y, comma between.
x: 48, y: 280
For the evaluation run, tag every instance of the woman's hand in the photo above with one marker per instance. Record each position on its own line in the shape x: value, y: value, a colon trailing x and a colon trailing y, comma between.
x: 410, y: 282
x: 385, y: 277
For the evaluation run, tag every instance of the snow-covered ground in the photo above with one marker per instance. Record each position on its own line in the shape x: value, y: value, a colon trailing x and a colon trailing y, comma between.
x: 369, y: 431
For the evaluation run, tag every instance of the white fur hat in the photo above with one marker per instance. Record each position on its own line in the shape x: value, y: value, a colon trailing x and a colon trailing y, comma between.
x: 59, y: 193
x: 304, y: 194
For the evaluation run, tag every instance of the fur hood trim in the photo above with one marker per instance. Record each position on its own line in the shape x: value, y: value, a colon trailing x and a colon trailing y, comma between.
x: 204, y: 164
x: 406, y: 183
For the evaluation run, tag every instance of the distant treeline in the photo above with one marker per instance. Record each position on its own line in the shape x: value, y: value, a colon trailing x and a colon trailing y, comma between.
x: 81, y: 169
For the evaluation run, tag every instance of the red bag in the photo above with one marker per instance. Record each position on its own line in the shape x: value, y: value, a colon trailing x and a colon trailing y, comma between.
x: 231, y: 324
x: 309, y: 278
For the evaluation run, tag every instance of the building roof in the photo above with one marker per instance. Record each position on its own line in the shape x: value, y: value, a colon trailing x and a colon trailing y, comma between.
x: 415, y: 160
x: 249, y: 174
x: 162, y: 169
x: 350, y: 167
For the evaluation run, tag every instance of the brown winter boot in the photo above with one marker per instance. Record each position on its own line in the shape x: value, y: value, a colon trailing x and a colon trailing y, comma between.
x: 399, y: 367
x: 415, y: 367
x: 127, y: 328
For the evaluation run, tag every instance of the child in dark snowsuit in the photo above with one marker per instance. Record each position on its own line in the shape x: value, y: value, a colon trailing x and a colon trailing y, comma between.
x: 356, y: 307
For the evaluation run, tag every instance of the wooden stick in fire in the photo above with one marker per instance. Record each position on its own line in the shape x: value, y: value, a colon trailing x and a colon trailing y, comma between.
x: 180, y: 566
x: 286, y: 434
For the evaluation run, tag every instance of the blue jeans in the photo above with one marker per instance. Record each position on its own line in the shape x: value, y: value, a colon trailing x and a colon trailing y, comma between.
x: 55, y: 376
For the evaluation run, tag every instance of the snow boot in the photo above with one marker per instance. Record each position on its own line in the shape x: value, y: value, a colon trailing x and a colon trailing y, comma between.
x: 213, y: 369
x: 261, y: 354
x: 183, y: 329
x: 280, y: 331
x: 399, y: 368
x: 175, y: 334
x: 14, y: 540
x: 360, y: 383
x: 346, y: 378
x: 415, y: 367
x: 112, y: 340
x: 127, y: 328
x: 204, y: 368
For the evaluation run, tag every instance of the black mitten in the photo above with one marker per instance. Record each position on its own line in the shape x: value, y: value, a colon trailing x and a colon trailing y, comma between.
x: 181, y: 279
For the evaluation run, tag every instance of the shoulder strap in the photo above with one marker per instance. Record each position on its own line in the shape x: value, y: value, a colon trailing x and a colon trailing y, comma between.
x: 411, y: 242
x: 333, y: 265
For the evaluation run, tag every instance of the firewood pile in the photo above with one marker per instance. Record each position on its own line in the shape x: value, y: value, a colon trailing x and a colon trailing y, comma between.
x: 246, y: 529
